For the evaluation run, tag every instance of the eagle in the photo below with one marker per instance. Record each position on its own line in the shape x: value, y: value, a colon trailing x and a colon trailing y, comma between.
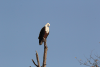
x: 44, y: 32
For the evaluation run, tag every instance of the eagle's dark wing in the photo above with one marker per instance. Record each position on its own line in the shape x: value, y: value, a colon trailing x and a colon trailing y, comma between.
x: 42, y: 32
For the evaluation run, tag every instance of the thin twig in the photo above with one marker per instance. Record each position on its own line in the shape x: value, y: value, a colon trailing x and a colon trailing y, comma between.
x: 34, y: 63
x: 37, y: 59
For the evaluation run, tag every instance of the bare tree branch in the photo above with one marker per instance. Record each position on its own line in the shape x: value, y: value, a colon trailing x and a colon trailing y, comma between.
x: 88, y: 60
x: 96, y: 62
x: 37, y: 59
x: 44, y: 57
x: 45, y: 53
x: 34, y: 63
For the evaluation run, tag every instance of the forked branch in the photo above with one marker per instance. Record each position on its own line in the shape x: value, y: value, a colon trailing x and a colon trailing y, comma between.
x: 37, y: 60
x: 44, y: 57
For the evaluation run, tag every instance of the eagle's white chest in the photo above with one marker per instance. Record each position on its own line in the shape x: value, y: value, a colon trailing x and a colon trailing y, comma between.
x: 47, y: 29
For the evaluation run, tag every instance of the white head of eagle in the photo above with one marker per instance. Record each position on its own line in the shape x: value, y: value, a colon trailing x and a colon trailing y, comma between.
x: 43, y: 33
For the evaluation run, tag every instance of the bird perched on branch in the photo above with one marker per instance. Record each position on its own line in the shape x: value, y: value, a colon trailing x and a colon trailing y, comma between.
x: 43, y: 33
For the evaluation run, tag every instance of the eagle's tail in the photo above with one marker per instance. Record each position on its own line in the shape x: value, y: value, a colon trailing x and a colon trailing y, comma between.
x: 40, y: 42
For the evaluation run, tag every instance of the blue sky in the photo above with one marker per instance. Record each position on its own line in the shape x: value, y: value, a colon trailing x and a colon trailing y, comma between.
x: 74, y: 31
